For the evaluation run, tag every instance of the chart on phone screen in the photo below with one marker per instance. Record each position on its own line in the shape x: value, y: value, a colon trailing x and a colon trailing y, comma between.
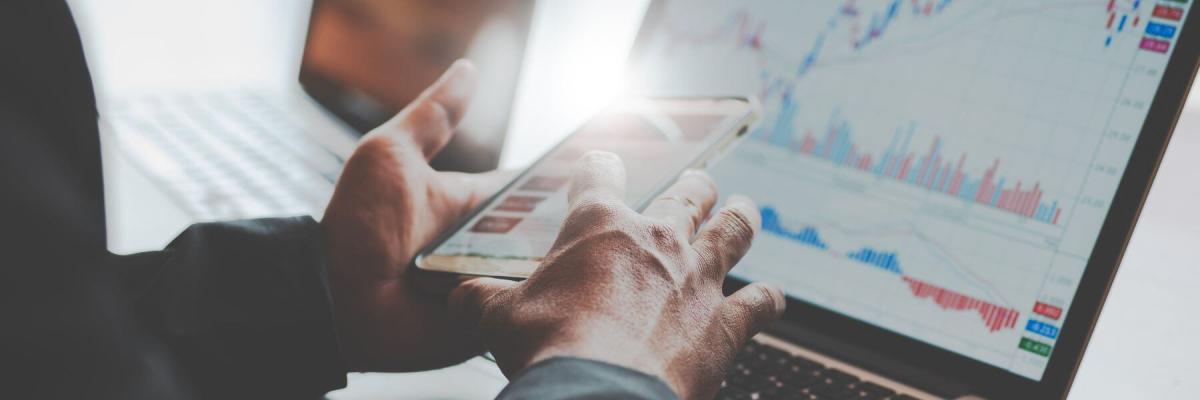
x: 939, y: 168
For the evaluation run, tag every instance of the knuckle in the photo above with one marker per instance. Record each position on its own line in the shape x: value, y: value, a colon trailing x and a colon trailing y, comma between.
x: 734, y: 328
x: 737, y: 226
x: 653, y: 266
x: 711, y: 258
x: 596, y: 245
x: 665, y: 237
x: 650, y: 262
x: 662, y: 233
x: 594, y: 212
x: 619, y: 238
x: 762, y: 300
x: 426, y: 113
x: 759, y: 306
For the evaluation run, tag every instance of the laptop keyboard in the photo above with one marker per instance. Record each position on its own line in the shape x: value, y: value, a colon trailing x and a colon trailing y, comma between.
x: 224, y: 155
x: 764, y: 372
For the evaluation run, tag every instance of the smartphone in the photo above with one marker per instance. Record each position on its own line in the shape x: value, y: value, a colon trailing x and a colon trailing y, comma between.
x: 657, y: 138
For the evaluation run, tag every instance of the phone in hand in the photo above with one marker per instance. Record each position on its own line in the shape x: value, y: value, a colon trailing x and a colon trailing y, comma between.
x: 657, y: 138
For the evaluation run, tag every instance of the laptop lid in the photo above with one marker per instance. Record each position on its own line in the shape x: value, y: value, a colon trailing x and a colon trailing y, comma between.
x: 364, y: 60
x: 946, y: 187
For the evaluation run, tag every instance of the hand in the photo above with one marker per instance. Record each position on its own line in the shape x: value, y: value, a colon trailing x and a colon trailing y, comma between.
x: 642, y: 291
x: 388, y: 204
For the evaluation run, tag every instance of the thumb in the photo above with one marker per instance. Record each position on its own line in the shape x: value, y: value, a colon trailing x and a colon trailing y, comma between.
x: 429, y: 121
x: 748, y: 311
x: 467, y: 301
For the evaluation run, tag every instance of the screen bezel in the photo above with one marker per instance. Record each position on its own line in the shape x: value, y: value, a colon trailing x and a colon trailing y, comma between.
x: 929, y: 366
x: 742, y: 114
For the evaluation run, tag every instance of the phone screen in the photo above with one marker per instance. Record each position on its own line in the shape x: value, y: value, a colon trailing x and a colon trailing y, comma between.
x: 656, y: 139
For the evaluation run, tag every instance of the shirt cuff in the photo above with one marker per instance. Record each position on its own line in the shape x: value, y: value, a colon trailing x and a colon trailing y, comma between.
x: 578, y: 378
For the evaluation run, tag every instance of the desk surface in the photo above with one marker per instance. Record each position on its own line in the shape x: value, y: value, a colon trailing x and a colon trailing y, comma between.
x: 1142, y: 347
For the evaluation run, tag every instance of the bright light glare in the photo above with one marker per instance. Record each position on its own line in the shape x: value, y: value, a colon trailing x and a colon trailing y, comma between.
x: 573, y: 67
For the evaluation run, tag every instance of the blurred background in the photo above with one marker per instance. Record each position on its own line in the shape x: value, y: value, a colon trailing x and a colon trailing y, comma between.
x: 549, y: 65
x: 545, y: 67
x: 575, y: 51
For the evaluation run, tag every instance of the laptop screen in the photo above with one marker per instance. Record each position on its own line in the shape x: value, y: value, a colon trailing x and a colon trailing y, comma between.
x: 364, y: 60
x: 939, y: 169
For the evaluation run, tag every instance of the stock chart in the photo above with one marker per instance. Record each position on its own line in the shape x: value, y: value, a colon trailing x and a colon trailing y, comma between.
x: 938, y: 168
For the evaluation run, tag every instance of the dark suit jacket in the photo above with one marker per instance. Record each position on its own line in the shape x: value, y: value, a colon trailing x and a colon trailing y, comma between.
x: 227, y: 310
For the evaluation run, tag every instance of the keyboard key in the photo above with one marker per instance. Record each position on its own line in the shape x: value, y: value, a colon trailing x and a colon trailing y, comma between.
x: 870, y: 396
x: 833, y: 391
x: 740, y: 377
x: 763, y: 372
x: 224, y: 162
x: 773, y: 388
x: 802, y: 377
x: 873, y: 391
x: 839, y: 377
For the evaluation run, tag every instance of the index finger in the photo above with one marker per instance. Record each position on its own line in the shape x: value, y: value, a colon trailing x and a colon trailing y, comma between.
x: 596, y: 195
x: 599, y: 176
x: 428, y: 122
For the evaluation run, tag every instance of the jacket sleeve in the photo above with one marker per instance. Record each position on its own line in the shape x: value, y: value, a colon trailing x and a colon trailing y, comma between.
x: 577, y: 378
x: 245, y: 308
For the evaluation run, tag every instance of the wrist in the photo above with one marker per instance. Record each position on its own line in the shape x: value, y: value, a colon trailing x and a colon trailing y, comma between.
x: 632, y: 353
x: 645, y: 365
x: 349, y: 295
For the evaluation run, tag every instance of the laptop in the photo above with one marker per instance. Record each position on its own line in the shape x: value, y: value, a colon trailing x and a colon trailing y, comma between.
x: 946, y: 187
x: 244, y: 149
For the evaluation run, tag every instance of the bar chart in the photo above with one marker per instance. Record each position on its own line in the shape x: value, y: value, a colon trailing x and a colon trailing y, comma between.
x: 938, y: 168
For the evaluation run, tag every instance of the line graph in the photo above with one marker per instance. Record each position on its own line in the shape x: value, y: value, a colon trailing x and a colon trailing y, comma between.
x: 938, y: 168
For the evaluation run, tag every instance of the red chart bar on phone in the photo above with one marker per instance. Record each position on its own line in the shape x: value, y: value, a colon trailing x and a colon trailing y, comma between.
x: 1047, y: 310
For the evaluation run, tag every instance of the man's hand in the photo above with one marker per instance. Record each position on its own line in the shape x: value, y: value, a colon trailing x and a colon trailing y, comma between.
x: 642, y: 291
x: 388, y: 204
